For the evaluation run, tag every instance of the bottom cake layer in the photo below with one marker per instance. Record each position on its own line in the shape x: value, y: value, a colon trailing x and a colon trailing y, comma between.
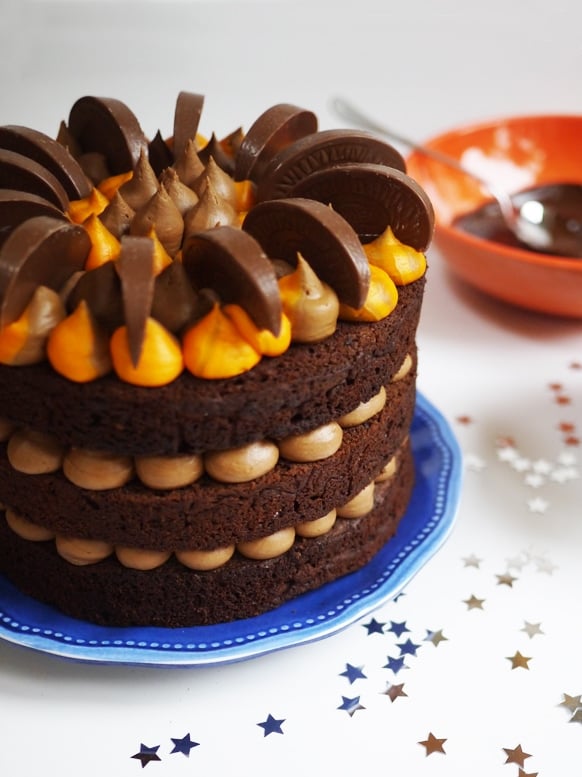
x: 174, y: 596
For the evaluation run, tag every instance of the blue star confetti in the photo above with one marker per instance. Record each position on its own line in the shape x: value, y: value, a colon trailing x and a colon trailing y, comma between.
x: 374, y: 627
x: 398, y: 628
x: 184, y: 745
x: 271, y: 725
x: 351, y: 706
x: 408, y: 647
x: 395, y: 664
x: 353, y: 673
x: 147, y: 754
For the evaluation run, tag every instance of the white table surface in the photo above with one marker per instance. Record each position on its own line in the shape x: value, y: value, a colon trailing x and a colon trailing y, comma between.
x: 508, y: 381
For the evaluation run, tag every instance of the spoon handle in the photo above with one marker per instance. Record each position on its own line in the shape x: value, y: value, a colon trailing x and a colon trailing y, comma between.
x: 355, y: 116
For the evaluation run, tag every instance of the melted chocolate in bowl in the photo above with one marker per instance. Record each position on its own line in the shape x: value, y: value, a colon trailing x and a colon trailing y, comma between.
x: 560, y: 204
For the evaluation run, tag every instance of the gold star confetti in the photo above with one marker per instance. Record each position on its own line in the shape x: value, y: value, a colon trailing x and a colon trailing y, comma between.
x: 577, y: 716
x: 518, y: 661
x: 506, y: 579
x: 394, y: 691
x: 473, y: 603
x: 472, y: 561
x: 521, y: 773
x: 432, y: 744
x: 531, y: 629
x: 516, y: 755
x: 435, y: 637
x: 571, y: 702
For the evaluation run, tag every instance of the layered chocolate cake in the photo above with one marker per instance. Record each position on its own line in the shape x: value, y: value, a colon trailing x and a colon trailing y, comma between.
x: 207, y: 360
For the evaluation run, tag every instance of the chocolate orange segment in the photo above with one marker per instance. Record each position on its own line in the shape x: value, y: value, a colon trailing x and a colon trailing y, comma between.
x: 319, y: 151
x: 323, y: 237
x: 233, y: 264
x: 135, y: 269
x: 19, y: 172
x: 275, y: 129
x: 42, y: 251
x: 371, y: 198
x: 186, y: 119
x: 50, y: 154
x: 16, y: 207
x: 108, y: 126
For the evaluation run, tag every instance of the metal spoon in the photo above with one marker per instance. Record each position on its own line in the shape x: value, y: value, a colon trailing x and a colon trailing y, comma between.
x: 541, y: 225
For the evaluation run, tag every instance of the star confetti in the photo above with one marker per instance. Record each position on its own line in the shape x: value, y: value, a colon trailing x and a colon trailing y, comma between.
x: 436, y: 637
x: 394, y: 691
x: 351, y: 706
x: 506, y: 579
x: 408, y: 648
x: 521, y: 773
x: 271, y: 725
x: 353, y: 673
x: 395, y: 664
x: 472, y: 561
x: 398, y: 628
x: 516, y: 755
x: 538, y: 505
x: 473, y: 603
x: 147, y: 754
x: 571, y: 703
x: 184, y: 745
x: 432, y: 744
x: 374, y: 627
x: 518, y: 661
x: 531, y: 629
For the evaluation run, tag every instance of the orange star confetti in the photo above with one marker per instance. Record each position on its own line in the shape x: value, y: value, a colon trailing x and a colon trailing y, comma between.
x: 464, y: 419
x: 433, y: 745
x: 519, y: 661
x: 516, y: 755
x: 521, y: 773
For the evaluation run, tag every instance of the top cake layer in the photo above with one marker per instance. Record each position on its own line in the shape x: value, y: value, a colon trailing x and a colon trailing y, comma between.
x: 183, y: 294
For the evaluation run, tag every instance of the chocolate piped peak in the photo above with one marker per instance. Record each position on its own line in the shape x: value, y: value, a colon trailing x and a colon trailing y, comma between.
x: 323, y: 237
x: 233, y: 264
x: 50, y: 154
x: 42, y: 251
x: 321, y: 150
x: 372, y: 197
x: 101, y: 290
x: 21, y: 173
x: 135, y: 269
x: 107, y: 125
x: 276, y: 128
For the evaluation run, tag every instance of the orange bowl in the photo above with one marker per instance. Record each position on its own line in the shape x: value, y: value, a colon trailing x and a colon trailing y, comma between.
x: 515, y: 153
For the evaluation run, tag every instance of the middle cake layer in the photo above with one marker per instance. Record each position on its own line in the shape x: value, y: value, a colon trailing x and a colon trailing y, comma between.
x: 208, y: 514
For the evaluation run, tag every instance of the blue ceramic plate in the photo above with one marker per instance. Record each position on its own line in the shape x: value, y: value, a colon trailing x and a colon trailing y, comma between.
x: 312, y: 616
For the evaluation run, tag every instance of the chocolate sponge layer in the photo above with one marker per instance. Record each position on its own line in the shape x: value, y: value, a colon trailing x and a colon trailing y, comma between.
x: 174, y: 596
